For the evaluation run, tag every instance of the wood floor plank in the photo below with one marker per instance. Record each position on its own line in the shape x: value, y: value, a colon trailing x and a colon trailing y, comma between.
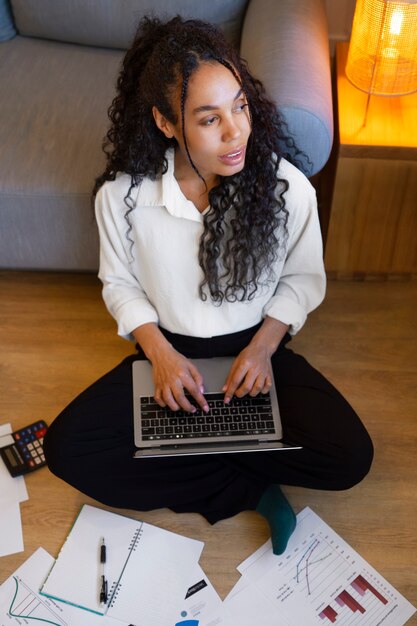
x: 56, y: 338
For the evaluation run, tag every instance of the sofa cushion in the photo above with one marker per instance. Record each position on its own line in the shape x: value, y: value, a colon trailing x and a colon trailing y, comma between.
x: 106, y: 23
x: 7, y: 29
x: 55, y: 105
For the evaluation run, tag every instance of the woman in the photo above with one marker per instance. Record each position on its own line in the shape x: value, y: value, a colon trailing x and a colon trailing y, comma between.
x: 209, y: 245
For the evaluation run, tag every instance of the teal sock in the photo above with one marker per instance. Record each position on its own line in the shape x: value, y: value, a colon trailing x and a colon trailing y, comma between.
x: 275, y: 507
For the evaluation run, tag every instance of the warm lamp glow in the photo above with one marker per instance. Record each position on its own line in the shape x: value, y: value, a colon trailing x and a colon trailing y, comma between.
x: 382, y: 57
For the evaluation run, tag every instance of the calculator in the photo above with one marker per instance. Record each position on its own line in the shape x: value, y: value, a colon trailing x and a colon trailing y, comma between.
x: 26, y: 453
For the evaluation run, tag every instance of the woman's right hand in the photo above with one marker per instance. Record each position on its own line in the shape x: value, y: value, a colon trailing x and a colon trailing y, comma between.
x: 173, y: 373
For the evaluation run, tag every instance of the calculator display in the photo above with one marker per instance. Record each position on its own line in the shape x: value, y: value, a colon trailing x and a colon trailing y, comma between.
x: 11, y: 457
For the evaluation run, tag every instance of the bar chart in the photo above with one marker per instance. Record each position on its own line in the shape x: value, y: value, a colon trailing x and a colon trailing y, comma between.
x: 362, y: 598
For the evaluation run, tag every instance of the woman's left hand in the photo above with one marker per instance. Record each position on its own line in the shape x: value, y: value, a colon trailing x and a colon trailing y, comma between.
x: 251, y: 371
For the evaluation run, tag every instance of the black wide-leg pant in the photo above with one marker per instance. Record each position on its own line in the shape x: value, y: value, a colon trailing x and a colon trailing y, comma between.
x: 90, y: 444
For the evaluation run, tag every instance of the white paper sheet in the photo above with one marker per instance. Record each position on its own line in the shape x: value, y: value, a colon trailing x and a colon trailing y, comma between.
x: 241, y: 584
x: 202, y: 605
x: 20, y: 602
x: 5, y: 435
x: 11, y: 537
x: 251, y: 606
x: 319, y: 579
x: 12, y: 491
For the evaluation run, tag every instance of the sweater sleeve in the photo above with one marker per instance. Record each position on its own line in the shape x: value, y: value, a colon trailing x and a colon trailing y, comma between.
x: 123, y: 294
x: 302, y: 284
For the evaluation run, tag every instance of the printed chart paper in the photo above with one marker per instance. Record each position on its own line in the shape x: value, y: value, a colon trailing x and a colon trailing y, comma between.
x: 321, y: 580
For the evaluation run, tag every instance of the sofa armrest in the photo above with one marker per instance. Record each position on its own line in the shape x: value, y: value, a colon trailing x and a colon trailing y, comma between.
x: 7, y: 27
x: 286, y: 46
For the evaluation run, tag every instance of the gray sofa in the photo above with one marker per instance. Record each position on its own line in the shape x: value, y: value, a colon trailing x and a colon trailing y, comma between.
x: 58, y: 65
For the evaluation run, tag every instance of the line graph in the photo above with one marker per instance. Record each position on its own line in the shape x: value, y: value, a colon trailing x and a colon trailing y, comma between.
x: 305, y: 564
x: 313, y: 565
x: 27, y: 605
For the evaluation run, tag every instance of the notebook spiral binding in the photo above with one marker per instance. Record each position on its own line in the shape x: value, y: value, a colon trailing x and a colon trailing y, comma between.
x: 136, y: 538
x: 117, y: 585
x: 114, y: 590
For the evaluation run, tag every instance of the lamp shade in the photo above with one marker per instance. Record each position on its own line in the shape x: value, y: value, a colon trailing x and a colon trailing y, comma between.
x: 382, y: 57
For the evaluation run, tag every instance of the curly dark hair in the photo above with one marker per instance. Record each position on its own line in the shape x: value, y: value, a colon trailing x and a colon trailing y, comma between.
x: 245, y: 229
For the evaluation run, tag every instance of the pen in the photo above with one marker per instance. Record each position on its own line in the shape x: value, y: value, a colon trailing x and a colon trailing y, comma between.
x: 103, y: 581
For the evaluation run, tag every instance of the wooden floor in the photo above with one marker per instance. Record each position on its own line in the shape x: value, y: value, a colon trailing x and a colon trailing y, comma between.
x: 56, y: 338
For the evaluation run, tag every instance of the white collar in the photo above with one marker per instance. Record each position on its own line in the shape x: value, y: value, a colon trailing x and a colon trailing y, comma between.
x: 165, y: 191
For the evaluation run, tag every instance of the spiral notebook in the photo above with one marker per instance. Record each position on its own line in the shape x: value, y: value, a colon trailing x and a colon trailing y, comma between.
x: 147, y: 568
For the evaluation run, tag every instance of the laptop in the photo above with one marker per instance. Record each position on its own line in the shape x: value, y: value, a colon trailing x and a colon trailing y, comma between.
x: 244, y: 425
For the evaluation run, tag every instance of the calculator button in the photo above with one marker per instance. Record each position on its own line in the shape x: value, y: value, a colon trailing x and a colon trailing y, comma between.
x: 30, y: 446
x: 41, y: 433
x: 36, y: 444
x: 37, y: 460
x: 42, y: 457
x: 17, y: 436
x: 31, y: 463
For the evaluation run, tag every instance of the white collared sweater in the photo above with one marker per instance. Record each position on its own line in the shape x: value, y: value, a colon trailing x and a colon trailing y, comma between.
x: 157, y: 280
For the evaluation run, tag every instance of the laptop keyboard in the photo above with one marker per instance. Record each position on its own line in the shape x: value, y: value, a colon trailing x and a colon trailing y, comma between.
x: 241, y: 417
